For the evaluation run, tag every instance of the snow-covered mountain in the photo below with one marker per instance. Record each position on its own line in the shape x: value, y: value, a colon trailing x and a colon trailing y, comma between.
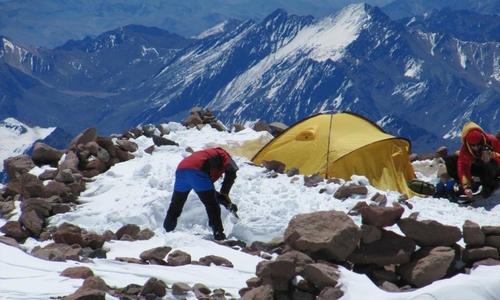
x: 52, y: 22
x: 417, y: 78
x: 19, y: 138
x: 75, y: 85
x: 288, y: 67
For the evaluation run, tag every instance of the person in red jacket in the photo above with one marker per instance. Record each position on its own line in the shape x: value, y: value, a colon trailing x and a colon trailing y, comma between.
x: 479, y: 156
x: 198, y: 172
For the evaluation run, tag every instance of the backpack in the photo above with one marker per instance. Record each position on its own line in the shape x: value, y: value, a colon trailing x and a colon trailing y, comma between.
x: 422, y: 187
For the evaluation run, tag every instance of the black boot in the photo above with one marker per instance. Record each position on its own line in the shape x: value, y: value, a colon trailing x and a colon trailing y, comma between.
x: 169, y: 224
x: 175, y: 210
x: 219, y: 236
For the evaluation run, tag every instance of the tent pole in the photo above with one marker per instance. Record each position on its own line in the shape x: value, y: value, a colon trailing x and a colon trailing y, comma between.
x: 327, y: 173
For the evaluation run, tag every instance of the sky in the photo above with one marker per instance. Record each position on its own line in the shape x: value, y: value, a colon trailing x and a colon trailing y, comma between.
x: 138, y: 191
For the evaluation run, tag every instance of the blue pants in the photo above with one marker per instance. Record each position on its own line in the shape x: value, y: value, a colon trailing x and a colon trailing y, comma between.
x: 199, y: 181
x: 189, y: 179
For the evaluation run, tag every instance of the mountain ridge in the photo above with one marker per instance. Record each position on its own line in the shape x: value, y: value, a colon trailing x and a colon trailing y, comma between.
x: 283, y: 69
x: 54, y: 22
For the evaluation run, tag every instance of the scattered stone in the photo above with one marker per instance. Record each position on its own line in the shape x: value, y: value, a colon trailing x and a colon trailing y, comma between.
x: 180, y: 288
x: 77, y: 272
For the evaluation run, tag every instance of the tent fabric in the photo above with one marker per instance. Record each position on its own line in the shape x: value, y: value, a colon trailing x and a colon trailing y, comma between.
x: 247, y: 148
x: 340, y: 145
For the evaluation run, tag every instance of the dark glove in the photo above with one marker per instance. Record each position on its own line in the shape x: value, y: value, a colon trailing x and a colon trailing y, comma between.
x: 223, y: 199
x: 232, y: 208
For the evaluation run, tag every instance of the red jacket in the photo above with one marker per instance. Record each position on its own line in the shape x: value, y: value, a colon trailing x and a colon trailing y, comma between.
x: 215, y: 162
x: 468, y: 156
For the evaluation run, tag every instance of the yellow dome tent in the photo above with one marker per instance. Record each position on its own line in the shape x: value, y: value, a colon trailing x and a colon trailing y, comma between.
x: 341, y: 145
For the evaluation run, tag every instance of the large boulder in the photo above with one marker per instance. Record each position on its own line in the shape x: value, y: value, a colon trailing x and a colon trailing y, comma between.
x: 473, y: 235
x: 70, y: 161
x: 93, y: 287
x: 300, y: 260
x: 278, y: 273
x: 331, y: 235
x: 158, y: 253
x: 391, y: 248
x: 382, y: 216
x: 321, y: 275
x: 430, y: 232
x: 428, y: 264
x: 178, y: 258
x: 15, y: 230
x: 43, y: 206
x: 472, y: 255
x: 88, y: 135
x: 31, y: 185
x: 43, y: 154
x: 15, y: 166
x: 264, y: 292
x: 33, y: 221
x: 79, y: 272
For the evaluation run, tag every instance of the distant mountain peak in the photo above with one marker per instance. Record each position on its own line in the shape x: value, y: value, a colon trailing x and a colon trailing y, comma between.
x: 132, y: 33
x: 323, y: 38
x: 276, y: 14
x: 13, y: 125
x: 461, y: 24
x: 20, y: 137
x: 284, y: 68
x: 221, y: 28
x: 317, y: 40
